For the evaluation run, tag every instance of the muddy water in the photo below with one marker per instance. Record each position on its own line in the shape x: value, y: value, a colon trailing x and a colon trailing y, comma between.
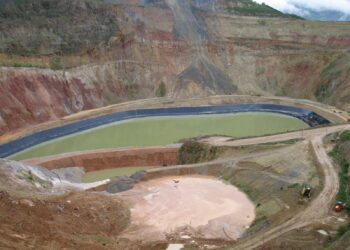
x: 189, y: 204
x: 165, y: 130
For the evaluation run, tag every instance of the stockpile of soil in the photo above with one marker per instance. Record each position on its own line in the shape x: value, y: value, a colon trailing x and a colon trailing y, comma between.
x: 78, y: 221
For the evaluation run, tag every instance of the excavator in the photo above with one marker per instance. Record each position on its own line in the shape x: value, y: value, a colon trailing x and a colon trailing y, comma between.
x: 306, y: 191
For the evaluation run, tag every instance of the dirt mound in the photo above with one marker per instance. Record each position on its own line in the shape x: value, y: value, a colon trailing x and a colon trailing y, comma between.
x: 76, y: 221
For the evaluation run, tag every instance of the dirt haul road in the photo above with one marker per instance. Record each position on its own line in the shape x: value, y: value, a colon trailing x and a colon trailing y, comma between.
x: 320, y: 206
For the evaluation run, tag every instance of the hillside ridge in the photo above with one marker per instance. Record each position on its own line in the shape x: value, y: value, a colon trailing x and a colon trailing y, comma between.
x: 128, y: 50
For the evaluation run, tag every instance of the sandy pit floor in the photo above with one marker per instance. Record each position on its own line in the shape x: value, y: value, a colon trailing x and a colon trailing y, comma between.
x: 204, y: 207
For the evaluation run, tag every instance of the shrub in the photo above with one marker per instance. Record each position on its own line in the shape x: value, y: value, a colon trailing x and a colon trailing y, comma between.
x: 343, y: 182
x: 161, y: 91
x: 344, y: 164
x: 345, y: 135
x: 194, y: 152
x: 341, y: 230
x: 56, y: 63
x: 252, y: 8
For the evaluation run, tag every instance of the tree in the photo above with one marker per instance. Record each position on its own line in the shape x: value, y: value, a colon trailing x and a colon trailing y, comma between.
x: 161, y: 91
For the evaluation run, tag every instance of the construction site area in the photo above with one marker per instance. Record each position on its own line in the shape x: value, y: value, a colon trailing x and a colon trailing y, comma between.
x: 272, y: 190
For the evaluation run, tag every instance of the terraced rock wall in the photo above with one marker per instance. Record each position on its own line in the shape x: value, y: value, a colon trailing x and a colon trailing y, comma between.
x: 195, y: 48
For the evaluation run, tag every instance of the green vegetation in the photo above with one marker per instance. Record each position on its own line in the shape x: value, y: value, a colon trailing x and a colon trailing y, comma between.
x: 161, y: 91
x: 343, y: 194
x: 53, y: 66
x: 340, y: 159
x: 251, y: 8
x: 288, y: 142
x: 245, y: 189
x: 56, y: 63
x: 344, y: 183
x: 195, y: 152
x: 258, y: 221
x: 330, y: 67
x: 48, y: 27
x: 166, y: 130
x: 31, y: 178
x: 342, y: 232
x: 262, y: 22
x: 345, y: 135
x: 259, y: 71
x: 295, y: 185
x: 28, y: 65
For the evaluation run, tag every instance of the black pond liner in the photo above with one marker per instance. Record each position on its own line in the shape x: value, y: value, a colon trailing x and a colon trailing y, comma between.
x: 10, y: 148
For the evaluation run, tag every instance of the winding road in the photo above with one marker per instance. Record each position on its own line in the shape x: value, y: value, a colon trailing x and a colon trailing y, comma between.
x: 322, y: 203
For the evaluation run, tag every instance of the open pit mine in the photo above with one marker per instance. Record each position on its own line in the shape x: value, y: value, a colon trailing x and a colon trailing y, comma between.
x: 172, y: 124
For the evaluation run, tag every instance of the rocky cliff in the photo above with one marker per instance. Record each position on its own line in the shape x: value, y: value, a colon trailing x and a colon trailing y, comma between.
x: 61, y: 57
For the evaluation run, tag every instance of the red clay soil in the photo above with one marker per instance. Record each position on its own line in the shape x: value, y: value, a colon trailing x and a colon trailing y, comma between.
x: 111, y: 158
x: 75, y: 221
x: 34, y: 97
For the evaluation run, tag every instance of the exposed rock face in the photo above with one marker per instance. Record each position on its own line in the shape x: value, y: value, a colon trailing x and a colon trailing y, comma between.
x: 72, y: 174
x: 195, y: 47
x: 30, y: 96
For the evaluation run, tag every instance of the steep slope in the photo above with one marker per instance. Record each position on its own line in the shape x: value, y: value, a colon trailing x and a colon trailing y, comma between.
x: 39, y: 209
x: 127, y: 49
x: 40, y: 27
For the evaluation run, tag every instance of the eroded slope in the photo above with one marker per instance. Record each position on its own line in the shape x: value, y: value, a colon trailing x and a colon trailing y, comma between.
x: 128, y: 49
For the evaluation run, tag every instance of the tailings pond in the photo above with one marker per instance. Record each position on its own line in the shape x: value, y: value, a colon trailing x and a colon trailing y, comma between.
x: 165, y: 130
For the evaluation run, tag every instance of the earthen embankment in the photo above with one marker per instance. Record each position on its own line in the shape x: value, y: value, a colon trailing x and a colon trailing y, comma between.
x: 111, y: 158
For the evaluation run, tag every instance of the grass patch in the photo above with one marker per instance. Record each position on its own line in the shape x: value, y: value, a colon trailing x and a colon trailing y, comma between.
x: 258, y: 221
x: 252, y: 8
x: 39, y: 66
x: 295, y: 185
x: 339, y: 159
x: 343, y: 194
x: 28, y: 65
x: 345, y: 135
x: 344, y: 185
x: 244, y: 188
x: 341, y: 233
x: 329, y: 68
x: 288, y: 142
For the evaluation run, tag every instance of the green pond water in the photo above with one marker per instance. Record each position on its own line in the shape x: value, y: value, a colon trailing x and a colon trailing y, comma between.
x: 165, y: 130
x: 109, y: 173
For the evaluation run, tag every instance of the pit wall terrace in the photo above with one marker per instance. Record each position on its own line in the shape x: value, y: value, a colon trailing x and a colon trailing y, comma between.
x: 332, y: 114
x: 93, y: 160
x: 10, y: 148
x: 164, y: 157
